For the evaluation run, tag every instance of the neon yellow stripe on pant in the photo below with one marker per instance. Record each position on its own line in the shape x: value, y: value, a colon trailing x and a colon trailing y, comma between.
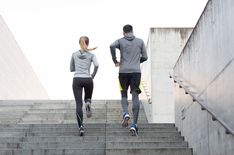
x: 140, y: 86
x: 120, y: 87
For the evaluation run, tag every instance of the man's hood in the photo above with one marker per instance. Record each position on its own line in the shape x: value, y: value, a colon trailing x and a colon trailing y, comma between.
x: 129, y: 36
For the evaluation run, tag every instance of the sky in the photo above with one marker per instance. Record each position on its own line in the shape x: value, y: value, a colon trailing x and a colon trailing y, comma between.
x: 48, y: 31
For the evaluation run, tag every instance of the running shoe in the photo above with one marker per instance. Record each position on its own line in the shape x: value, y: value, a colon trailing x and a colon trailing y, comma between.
x: 88, y: 109
x: 134, y: 130
x: 81, y: 130
x: 125, y: 120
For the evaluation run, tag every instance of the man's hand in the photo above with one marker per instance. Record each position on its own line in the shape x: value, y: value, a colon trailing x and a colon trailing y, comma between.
x: 117, y: 64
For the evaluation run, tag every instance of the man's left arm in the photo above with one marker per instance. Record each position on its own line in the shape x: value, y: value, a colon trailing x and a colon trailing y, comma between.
x: 144, y: 56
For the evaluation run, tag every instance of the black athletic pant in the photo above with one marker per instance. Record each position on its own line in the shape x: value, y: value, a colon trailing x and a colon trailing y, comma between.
x: 133, y: 80
x: 78, y: 85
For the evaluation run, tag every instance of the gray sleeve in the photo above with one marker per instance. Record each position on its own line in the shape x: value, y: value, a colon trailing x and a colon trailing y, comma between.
x: 95, y: 63
x: 113, y: 47
x: 72, y: 64
x: 144, y: 56
x: 94, y: 72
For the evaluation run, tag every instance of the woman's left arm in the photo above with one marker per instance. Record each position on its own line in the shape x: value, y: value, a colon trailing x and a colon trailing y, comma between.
x: 95, y: 63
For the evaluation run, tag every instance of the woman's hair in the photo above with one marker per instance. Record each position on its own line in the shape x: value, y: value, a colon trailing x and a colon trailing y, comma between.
x: 84, y: 43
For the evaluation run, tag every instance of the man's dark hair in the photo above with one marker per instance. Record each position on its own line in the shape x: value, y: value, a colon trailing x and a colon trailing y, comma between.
x: 127, y: 28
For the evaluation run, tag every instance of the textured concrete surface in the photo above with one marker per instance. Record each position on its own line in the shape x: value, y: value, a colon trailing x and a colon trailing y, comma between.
x: 164, y: 47
x: 206, y: 66
x: 50, y: 128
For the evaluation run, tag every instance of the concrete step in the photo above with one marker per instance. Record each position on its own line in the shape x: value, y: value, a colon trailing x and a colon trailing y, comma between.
x: 119, y: 129
x: 58, y: 151
x: 153, y: 151
x: 17, y: 134
x: 61, y: 127
x: 54, y: 145
x: 121, y: 135
x: 88, y: 132
x: 50, y: 128
x: 13, y: 103
x: 145, y: 134
x: 72, y: 109
x: 144, y: 125
x: 144, y: 139
x: 71, y: 113
x: 15, y: 108
x: 90, y: 125
x: 11, y: 121
x: 93, y: 144
x: 65, y: 104
x: 72, y: 121
x: 15, y: 114
x: 69, y: 116
x: 144, y: 145
x: 34, y: 139
x: 87, y: 138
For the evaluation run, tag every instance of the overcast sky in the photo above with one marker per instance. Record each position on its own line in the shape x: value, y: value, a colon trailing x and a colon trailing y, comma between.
x: 48, y: 31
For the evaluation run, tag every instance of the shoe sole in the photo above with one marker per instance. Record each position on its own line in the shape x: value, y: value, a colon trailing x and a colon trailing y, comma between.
x: 133, y: 132
x: 81, y: 133
x: 125, y: 122
x: 88, y: 113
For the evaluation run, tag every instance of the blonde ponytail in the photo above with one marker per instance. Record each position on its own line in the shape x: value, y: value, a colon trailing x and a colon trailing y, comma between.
x: 84, y: 43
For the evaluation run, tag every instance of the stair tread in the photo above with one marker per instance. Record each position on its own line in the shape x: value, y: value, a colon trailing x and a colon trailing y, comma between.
x: 49, y: 127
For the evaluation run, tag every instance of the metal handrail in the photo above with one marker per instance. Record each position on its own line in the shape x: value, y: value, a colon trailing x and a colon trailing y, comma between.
x: 203, y: 107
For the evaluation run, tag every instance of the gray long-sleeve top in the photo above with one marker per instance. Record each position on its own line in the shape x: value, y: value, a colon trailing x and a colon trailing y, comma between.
x: 81, y: 62
x: 132, y: 53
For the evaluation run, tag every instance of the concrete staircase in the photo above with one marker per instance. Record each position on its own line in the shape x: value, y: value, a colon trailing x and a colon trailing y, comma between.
x: 49, y: 128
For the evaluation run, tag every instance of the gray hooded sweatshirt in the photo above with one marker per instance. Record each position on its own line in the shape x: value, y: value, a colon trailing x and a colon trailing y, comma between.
x: 132, y: 53
x: 81, y: 62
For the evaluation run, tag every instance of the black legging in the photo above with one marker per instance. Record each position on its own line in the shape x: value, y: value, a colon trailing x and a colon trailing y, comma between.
x: 78, y: 85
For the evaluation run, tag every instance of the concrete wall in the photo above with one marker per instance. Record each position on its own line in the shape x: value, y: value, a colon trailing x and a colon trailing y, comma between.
x: 206, y: 65
x: 164, y: 46
x: 17, y: 78
x: 205, y: 136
